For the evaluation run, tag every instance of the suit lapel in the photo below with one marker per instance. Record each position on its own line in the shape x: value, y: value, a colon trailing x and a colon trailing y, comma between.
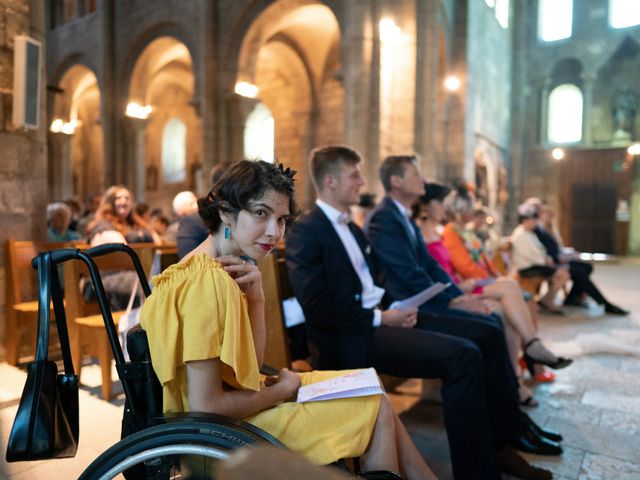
x: 362, y: 243
x: 327, y: 229
x: 400, y: 218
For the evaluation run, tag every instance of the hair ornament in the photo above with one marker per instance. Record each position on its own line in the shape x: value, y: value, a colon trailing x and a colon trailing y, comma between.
x: 288, y: 172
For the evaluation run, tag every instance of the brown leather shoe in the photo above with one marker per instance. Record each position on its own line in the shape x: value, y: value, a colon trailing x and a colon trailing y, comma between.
x: 511, y: 463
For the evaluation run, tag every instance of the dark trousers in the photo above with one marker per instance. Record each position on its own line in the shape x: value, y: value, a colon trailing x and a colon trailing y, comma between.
x: 479, y: 398
x: 580, y: 276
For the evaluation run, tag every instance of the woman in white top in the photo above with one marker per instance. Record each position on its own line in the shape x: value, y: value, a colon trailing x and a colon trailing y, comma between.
x: 531, y: 260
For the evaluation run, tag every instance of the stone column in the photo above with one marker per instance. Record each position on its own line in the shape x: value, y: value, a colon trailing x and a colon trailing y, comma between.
x: 544, y: 109
x: 134, y: 160
x: 588, y: 81
x: 427, y: 87
x: 60, y: 171
x: 360, y: 65
x: 207, y: 98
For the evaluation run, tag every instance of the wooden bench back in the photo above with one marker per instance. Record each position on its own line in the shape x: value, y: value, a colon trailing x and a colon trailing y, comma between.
x: 277, y: 345
x: 22, y: 279
x: 75, y: 271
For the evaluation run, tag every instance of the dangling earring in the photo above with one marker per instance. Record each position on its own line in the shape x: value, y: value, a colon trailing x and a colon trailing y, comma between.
x: 227, y: 232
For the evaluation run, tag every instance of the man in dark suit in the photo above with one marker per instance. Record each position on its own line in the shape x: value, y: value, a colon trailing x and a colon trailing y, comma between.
x: 332, y: 269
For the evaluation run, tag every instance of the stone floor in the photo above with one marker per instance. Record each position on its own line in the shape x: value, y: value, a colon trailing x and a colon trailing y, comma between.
x: 595, y: 403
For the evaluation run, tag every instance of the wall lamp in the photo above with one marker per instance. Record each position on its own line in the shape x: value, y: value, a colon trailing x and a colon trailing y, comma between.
x: 246, y: 89
x: 135, y: 110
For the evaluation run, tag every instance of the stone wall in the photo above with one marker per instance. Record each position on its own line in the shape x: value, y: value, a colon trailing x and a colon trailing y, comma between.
x: 23, y: 168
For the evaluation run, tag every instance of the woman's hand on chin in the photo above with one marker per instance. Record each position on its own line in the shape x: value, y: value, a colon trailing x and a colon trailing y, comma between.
x: 246, y: 275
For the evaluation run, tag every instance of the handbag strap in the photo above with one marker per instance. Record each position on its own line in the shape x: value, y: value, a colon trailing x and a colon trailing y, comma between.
x: 49, y: 290
x: 44, y: 301
x: 61, y: 321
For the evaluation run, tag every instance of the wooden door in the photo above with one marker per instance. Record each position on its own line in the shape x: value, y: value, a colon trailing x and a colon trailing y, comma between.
x: 593, y: 215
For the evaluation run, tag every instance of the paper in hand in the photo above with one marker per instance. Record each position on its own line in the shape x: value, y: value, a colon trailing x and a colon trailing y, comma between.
x: 360, y: 383
x: 420, y: 298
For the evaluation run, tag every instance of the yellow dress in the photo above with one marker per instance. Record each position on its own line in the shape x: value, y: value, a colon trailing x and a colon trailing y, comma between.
x: 198, y: 312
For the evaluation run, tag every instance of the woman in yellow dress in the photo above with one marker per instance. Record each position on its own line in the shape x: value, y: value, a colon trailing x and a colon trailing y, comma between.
x: 205, y: 324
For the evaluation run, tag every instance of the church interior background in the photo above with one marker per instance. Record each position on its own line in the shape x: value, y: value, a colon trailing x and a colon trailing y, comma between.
x: 520, y: 98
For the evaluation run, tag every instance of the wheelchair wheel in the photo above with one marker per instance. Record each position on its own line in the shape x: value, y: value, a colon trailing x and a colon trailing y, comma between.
x: 177, y: 450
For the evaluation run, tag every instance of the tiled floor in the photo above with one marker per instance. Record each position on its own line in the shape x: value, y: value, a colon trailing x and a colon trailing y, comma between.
x: 595, y: 403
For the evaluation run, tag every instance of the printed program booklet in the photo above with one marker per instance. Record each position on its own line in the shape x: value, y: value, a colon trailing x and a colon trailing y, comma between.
x: 419, y: 298
x: 353, y: 384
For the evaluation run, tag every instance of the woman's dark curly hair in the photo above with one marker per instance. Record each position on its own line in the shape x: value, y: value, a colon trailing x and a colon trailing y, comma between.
x: 243, y: 182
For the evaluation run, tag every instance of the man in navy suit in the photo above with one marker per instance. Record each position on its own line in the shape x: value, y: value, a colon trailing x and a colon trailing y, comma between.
x: 398, y: 241
x: 332, y: 269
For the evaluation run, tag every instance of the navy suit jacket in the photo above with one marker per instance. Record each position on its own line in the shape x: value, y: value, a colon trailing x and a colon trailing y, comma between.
x: 329, y: 290
x: 191, y: 232
x: 409, y: 267
x: 549, y: 243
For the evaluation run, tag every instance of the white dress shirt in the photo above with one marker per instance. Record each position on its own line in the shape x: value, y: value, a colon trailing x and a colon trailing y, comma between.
x: 371, y: 294
x: 406, y: 214
x: 527, y: 249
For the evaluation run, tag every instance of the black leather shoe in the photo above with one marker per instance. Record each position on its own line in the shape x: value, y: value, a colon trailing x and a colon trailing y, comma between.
x: 531, y: 442
x: 550, y: 434
x: 510, y: 462
x: 615, y: 310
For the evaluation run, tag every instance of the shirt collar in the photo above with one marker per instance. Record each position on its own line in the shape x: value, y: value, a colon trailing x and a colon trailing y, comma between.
x: 332, y: 213
x: 405, y: 211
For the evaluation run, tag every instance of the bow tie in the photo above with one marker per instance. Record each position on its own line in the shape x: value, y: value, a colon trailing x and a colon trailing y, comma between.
x: 344, y: 218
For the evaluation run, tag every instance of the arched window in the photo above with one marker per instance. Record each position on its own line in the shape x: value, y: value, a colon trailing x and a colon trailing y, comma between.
x: 564, y: 117
x: 624, y: 13
x: 259, y: 134
x: 555, y: 19
x: 174, y: 151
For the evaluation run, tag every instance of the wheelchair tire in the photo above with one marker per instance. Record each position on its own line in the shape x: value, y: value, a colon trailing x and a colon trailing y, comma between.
x: 213, y: 440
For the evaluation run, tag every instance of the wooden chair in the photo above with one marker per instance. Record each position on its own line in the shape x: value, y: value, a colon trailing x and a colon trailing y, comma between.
x: 502, y: 262
x: 276, y: 353
x: 21, y: 296
x: 21, y: 299
x: 86, y: 326
x: 165, y: 256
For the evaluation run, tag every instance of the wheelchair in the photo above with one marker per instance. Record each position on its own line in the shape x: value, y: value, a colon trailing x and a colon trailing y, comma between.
x: 154, y: 446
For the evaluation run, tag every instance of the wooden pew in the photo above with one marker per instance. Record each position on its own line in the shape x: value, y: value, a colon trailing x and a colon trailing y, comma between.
x: 87, y: 332
x: 502, y: 262
x: 276, y: 353
x: 21, y: 297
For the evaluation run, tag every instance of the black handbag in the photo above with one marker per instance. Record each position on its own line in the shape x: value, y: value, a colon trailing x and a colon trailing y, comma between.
x: 46, y: 424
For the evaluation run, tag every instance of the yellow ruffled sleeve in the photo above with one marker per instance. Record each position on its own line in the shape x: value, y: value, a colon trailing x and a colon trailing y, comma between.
x: 198, y: 312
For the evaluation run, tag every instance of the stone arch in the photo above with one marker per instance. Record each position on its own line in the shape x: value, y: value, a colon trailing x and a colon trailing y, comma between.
x: 162, y: 77
x: 566, y: 70
x: 291, y: 52
x: 158, y: 31
x: 76, y: 159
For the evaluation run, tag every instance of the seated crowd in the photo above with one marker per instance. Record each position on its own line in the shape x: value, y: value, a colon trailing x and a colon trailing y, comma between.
x: 473, y: 336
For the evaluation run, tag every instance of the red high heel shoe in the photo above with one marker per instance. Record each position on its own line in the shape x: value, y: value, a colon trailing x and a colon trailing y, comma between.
x: 543, y: 376
x: 546, y: 376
